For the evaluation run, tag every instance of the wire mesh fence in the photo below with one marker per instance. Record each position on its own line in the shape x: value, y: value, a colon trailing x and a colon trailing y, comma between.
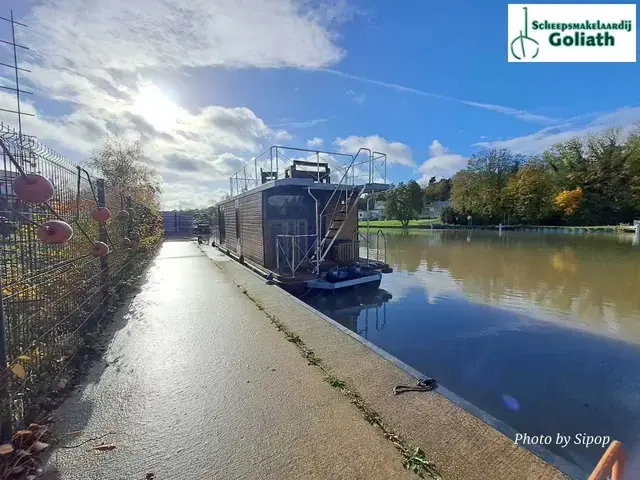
x: 54, y: 294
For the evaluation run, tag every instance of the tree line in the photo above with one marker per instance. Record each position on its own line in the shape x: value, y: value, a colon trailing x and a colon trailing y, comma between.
x: 593, y: 180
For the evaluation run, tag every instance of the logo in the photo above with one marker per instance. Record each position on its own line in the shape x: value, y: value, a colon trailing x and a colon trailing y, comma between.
x: 571, y: 33
x: 523, y: 42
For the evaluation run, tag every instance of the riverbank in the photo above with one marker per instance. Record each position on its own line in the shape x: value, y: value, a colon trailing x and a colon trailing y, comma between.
x: 432, y: 224
x: 197, y: 383
x: 251, y: 382
x: 461, y: 444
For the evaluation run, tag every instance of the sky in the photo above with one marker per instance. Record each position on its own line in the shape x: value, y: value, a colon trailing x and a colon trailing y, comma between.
x: 208, y: 84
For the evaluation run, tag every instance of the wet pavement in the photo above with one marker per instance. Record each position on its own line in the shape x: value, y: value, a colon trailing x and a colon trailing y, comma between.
x: 197, y: 384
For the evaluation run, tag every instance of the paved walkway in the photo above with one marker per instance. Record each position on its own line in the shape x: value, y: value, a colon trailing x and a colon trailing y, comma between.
x: 199, y: 385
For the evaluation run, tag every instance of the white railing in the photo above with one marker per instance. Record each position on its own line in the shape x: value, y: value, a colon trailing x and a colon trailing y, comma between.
x: 273, y: 164
x: 294, y: 252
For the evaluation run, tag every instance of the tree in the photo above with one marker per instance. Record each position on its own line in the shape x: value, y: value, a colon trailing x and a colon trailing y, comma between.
x: 568, y: 201
x: 480, y: 189
x: 404, y: 202
x: 448, y: 215
x: 531, y: 192
x: 416, y: 196
x: 437, y: 191
x: 125, y: 169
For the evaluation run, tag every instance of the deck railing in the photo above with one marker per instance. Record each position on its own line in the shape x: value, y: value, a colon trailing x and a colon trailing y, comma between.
x: 273, y: 163
x: 294, y: 252
x: 347, y: 251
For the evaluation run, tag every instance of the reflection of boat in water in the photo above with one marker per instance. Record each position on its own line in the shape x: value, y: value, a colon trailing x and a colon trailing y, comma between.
x: 357, y: 310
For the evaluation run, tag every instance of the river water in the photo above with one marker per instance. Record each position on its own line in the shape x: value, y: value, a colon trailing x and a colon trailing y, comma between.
x: 541, y: 331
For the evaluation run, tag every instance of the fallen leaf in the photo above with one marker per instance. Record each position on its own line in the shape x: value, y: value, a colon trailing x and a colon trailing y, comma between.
x: 24, y: 358
x: 39, y: 446
x: 105, y: 447
x: 6, y: 448
x: 18, y: 370
x: 34, y: 427
x: 22, y: 433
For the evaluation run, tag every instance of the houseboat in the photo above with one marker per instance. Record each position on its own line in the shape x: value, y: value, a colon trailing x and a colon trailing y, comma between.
x: 293, y: 216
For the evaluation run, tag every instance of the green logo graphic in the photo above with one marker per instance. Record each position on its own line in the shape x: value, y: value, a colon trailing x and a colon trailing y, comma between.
x: 523, y: 44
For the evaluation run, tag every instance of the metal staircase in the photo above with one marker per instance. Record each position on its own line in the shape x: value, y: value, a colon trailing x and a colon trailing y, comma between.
x: 341, y: 204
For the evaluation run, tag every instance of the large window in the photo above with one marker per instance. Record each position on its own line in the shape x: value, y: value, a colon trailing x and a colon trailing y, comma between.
x: 287, y: 206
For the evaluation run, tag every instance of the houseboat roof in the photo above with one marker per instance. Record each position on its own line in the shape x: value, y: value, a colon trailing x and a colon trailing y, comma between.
x: 310, y: 169
x: 307, y: 183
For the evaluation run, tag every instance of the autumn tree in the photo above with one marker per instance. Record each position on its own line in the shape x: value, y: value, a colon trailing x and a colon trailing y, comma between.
x: 604, y: 166
x: 480, y: 189
x: 531, y: 192
x: 568, y: 201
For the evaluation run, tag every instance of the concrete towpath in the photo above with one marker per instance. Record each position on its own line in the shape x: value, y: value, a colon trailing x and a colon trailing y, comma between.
x: 197, y: 384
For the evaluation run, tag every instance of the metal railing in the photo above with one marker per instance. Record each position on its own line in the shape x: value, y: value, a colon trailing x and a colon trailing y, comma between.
x: 347, y: 251
x: 379, y: 234
x: 294, y: 252
x: 52, y: 295
x: 272, y: 164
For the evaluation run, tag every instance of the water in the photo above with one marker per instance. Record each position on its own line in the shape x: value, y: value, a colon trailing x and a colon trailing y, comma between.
x: 542, y: 331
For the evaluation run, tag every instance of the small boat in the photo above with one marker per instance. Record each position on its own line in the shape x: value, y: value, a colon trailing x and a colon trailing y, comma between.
x: 293, y: 216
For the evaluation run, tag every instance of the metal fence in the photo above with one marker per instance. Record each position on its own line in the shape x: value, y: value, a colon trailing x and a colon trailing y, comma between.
x: 53, y: 295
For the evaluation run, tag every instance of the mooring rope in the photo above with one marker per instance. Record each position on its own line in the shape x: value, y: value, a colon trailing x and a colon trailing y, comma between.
x: 422, y: 385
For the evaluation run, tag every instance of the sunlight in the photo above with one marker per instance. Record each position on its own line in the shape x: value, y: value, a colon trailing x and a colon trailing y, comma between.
x: 156, y: 107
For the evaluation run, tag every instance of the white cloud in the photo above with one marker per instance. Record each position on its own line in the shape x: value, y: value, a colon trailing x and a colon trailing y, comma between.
x: 521, y: 114
x: 302, y: 124
x: 315, y: 142
x: 95, y: 73
x: 176, y: 196
x: 397, y: 153
x: 545, y: 138
x: 441, y: 163
x: 128, y: 36
x: 356, y: 97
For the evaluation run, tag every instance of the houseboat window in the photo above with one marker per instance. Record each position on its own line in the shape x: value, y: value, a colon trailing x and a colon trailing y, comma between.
x: 289, y: 206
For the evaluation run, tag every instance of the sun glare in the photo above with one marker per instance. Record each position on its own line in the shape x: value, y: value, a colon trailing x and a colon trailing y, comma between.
x: 156, y: 107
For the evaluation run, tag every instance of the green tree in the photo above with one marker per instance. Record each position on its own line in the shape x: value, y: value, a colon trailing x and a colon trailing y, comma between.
x: 437, y: 191
x: 404, y: 202
x: 603, y: 167
x: 480, y: 189
x: 448, y: 215
x: 416, y: 195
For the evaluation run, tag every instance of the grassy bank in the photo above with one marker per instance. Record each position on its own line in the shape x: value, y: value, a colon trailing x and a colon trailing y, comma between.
x: 432, y: 223
x: 397, y: 223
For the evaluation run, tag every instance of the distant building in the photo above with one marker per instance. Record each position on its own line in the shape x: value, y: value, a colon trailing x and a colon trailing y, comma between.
x: 374, y: 213
x: 434, y: 209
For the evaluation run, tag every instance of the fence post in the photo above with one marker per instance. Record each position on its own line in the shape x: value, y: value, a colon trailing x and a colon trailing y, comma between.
x: 5, y: 400
x: 102, y: 234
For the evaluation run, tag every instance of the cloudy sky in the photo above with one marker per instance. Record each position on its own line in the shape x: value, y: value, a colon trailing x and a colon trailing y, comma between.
x: 207, y: 84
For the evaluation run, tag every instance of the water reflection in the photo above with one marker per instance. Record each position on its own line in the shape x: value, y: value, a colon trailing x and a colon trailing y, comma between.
x: 588, y: 281
x: 542, y: 331
x: 358, y: 310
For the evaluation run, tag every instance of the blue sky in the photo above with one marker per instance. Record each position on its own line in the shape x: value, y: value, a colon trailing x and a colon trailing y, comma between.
x: 206, y: 85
